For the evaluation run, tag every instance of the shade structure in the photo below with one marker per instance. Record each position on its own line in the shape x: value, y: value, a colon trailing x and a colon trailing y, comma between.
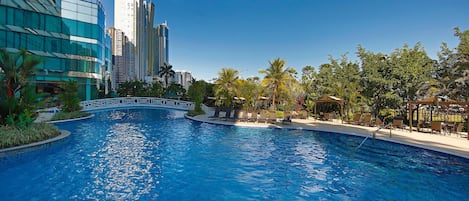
x: 436, y: 101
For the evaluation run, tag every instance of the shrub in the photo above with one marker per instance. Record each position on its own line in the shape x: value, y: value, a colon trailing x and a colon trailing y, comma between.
x: 69, y: 115
x: 14, y: 136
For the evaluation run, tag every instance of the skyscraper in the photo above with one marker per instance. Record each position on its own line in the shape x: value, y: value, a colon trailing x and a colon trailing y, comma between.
x: 120, y: 56
x: 135, y: 18
x: 68, y: 34
x: 162, y: 49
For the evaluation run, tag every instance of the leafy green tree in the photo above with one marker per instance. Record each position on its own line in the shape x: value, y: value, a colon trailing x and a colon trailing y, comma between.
x: 70, y: 102
x: 276, y: 79
x: 249, y: 89
x: 226, y: 86
x: 175, y: 90
x: 17, y: 98
x: 197, y: 93
x: 132, y: 88
x: 377, y: 80
x: 462, y: 65
x: 155, y: 90
x: 347, y: 82
x: 166, y: 71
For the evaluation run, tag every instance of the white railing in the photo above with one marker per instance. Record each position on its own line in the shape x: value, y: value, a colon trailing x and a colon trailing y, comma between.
x: 135, y: 101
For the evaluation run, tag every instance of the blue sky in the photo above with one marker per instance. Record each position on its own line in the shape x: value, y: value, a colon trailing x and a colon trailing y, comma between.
x: 207, y: 35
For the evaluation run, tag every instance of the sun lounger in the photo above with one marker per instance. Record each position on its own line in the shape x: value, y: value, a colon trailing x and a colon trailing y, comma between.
x: 216, y: 114
x: 397, y: 123
x: 356, y: 119
x: 286, y: 117
x: 436, y: 126
x: 366, y: 121
x: 262, y: 117
x: 272, y: 117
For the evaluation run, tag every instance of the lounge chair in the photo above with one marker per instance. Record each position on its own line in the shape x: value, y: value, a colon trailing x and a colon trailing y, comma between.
x: 436, y: 126
x: 327, y: 116
x: 356, y: 119
x: 459, y: 128
x: 286, y: 117
x: 216, y: 114
x: 272, y: 117
x: 227, y: 114
x: 379, y: 123
x: 366, y: 121
x: 262, y: 117
x: 303, y: 114
x: 239, y: 116
x: 398, y: 123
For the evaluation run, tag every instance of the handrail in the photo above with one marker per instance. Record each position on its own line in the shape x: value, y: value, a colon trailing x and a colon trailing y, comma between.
x: 373, y: 134
x: 136, y: 101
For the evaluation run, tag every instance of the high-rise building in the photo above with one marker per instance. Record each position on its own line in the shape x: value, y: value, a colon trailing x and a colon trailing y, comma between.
x: 183, y: 78
x: 68, y: 34
x: 135, y: 18
x: 120, y: 57
x: 162, y: 49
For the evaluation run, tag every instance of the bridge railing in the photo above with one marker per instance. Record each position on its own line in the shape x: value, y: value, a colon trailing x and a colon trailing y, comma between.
x: 136, y: 101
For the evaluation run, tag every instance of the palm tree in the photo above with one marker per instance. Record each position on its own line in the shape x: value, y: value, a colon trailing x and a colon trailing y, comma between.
x: 166, y: 71
x: 226, y: 85
x: 277, y: 78
x: 17, y: 68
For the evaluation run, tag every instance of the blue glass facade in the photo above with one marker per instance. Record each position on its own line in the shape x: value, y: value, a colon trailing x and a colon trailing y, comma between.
x: 69, y: 34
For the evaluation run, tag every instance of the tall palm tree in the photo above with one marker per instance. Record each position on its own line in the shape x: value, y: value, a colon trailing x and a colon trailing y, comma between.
x: 277, y: 78
x: 226, y: 85
x: 166, y: 71
x: 17, y: 68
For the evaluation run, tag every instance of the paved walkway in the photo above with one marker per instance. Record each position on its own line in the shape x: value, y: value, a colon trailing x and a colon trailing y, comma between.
x: 451, y: 144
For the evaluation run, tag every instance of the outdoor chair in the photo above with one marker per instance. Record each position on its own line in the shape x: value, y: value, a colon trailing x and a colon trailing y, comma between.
x: 303, y: 114
x: 366, y: 121
x: 398, y: 123
x: 286, y: 117
x: 227, y: 114
x: 240, y: 115
x: 262, y: 117
x: 459, y: 128
x: 272, y: 117
x: 356, y: 119
x: 436, y: 126
x: 216, y: 114
x: 379, y: 123
x: 327, y: 116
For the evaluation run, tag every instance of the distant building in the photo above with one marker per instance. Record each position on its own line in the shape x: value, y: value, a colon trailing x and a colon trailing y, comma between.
x: 183, y: 78
x: 68, y: 34
x: 121, y: 57
x: 162, y: 49
x: 135, y: 18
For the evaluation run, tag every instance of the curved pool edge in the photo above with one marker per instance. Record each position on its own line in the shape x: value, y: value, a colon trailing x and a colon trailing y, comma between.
x: 380, y: 135
x: 33, y: 146
x: 74, y: 119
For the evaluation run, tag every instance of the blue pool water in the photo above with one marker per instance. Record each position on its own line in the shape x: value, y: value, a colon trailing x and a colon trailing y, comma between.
x: 144, y: 154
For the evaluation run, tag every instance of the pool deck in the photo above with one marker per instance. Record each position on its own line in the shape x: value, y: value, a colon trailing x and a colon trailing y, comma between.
x: 450, y: 143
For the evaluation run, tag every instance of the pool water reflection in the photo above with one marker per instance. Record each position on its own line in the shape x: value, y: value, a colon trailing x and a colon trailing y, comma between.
x: 149, y: 154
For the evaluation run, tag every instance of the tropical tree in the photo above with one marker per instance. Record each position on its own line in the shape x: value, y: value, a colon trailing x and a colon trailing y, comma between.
x: 132, y: 88
x: 462, y: 64
x: 249, y: 89
x: 226, y: 86
x: 347, y: 82
x: 197, y: 92
x: 17, y: 98
x: 155, y: 90
x: 276, y: 79
x: 166, y: 71
x: 175, y: 90
x: 70, y: 102
x: 310, y: 85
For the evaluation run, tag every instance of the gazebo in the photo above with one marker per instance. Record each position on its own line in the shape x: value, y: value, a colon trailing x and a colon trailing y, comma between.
x: 330, y: 99
x: 435, y: 101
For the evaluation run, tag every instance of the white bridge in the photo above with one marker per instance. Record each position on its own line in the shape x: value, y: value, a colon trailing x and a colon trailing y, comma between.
x: 135, y: 101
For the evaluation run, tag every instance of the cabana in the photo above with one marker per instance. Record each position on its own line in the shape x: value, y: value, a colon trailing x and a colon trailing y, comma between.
x: 330, y: 99
x: 435, y: 101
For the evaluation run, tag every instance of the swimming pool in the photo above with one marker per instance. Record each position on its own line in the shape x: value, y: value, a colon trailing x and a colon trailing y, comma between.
x: 157, y: 154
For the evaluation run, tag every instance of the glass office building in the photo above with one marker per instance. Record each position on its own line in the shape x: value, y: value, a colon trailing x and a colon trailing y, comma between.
x: 68, y: 34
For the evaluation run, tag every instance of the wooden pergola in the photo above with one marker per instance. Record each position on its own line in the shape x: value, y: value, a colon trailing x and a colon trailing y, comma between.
x: 331, y: 99
x: 435, y: 101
